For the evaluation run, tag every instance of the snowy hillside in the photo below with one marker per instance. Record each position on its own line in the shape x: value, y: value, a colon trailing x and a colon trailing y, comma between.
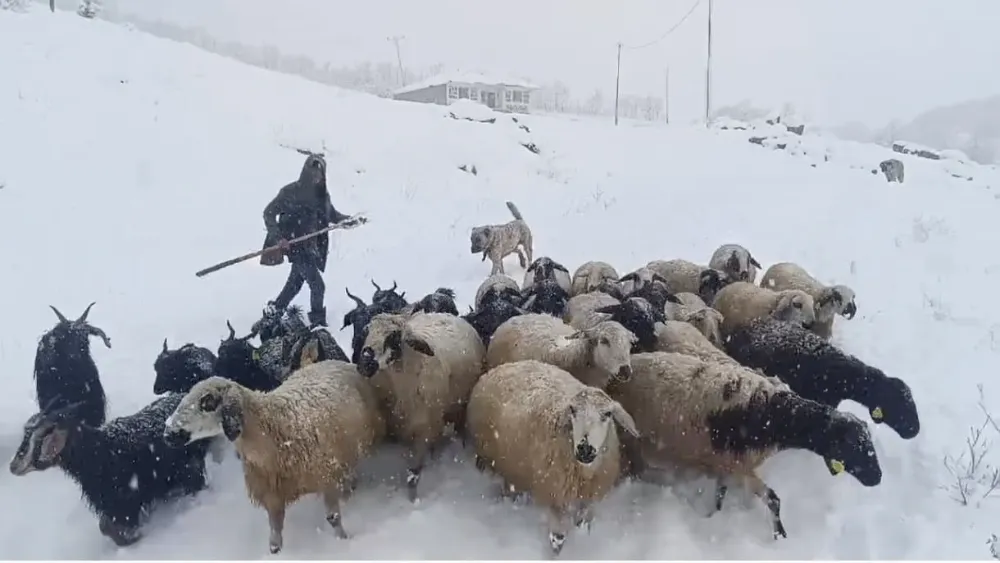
x: 130, y: 162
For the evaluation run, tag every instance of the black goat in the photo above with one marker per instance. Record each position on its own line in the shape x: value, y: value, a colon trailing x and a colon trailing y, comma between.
x: 123, y: 468
x: 65, y: 372
x: 640, y: 317
x: 545, y: 296
x: 393, y: 301
x: 362, y: 315
x: 314, y: 346
x: 177, y: 371
x: 239, y: 361
x: 441, y: 301
x: 495, y: 308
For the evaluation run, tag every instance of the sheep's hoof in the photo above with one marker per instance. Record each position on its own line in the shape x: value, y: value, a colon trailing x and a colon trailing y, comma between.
x: 779, y: 530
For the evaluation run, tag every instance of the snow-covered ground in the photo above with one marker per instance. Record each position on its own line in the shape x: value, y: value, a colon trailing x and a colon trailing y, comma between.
x: 130, y: 162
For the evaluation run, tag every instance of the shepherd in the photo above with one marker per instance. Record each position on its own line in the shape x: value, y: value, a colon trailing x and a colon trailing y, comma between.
x: 300, y: 208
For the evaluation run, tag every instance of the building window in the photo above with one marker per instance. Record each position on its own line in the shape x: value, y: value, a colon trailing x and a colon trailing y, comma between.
x: 516, y: 96
x: 506, y: 95
x: 463, y: 92
x: 525, y: 98
x: 453, y: 92
x: 474, y: 94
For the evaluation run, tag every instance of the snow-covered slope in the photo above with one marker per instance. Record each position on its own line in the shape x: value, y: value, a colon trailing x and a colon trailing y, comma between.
x: 130, y: 162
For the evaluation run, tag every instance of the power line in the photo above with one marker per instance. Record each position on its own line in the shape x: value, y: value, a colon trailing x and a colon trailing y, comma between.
x: 399, y: 58
x: 668, y: 32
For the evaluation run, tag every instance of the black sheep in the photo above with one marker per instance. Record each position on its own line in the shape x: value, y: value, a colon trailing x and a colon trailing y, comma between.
x: 178, y: 370
x: 238, y: 360
x: 640, y: 317
x: 123, y: 468
x: 441, y: 301
x: 818, y: 370
x: 495, y: 308
x: 545, y: 296
x: 388, y: 298
x: 65, y: 372
x: 656, y: 292
x: 362, y: 315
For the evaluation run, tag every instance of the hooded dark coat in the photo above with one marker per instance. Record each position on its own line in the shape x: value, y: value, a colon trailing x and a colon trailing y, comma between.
x: 300, y: 208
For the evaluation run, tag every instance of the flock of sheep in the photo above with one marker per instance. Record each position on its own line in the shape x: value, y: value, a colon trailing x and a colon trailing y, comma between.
x: 563, y: 386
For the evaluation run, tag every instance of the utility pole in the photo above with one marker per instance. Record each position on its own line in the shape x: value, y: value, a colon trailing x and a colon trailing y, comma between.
x: 618, y: 81
x: 666, y: 96
x: 399, y: 58
x: 708, y: 69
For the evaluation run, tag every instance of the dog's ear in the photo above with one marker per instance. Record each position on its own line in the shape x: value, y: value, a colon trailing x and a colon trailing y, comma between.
x: 232, y: 417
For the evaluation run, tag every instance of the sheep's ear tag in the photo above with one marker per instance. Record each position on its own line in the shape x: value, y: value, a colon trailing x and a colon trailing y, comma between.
x: 836, y: 466
x: 877, y: 414
x: 256, y: 355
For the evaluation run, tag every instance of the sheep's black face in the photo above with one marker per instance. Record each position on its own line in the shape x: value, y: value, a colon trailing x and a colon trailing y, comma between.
x: 850, y: 310
x: 657, y: 294
x: 547, y: 297
x: 710, y: 282
x: 437, y: 303
x: 851, y: 449
x: 43, y: 442
x: 495, y: 293
x: 367, y: 362
x: 236, y: 356
x: 612, y: 288
x: 639, y: 317
x: 892, y: 403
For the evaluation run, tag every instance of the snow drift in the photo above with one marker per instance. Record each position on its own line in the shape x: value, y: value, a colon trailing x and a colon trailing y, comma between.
x: 130, y: 162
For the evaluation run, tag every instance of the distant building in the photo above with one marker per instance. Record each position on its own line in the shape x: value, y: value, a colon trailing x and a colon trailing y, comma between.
x: 504, y: 95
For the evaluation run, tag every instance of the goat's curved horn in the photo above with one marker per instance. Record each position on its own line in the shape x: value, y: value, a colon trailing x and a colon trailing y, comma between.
x: 232, y: 331
x: 83, y: 317
x: 394, y: 285
x: 62, y: 318
x: 377, y: 288
x: 165, y: 345
x: 357, y: 300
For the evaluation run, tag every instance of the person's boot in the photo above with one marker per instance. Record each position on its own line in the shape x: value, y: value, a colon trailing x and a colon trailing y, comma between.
x: 317, y: 318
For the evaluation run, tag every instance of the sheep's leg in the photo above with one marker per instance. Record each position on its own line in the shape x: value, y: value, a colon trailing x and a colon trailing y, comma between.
x: 276, y: 517
x: 771, y: 500
x: 415, y: 465
x: 331, y: 499
x: 720, y: 494
x: 584, y: 516
x: 558, y: 528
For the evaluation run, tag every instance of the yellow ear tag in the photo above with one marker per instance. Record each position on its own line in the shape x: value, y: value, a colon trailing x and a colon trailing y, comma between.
x: 836, y: 466
x: 877, y: 413
x: 256, y: 357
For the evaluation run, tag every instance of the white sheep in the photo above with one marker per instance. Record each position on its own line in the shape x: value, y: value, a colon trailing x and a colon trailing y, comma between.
x: 307, y: 436
x: 742, y: 302
x: 593, y: 356
x: 581, y: 309
x: 546, y: 433
x: 726, y: 420
x: 424, y: 368
x: 638, y: 279
x: 502, y: 284
x: 736, y: 261
x: 685, y: 276
x: 590, y: 276
x: 692, y: 309
x: 829, y: 300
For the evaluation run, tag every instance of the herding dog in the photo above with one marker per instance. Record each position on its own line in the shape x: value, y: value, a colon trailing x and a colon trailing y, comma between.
x: 500, y: 241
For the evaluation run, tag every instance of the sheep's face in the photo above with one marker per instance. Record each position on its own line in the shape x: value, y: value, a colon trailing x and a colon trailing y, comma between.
x: 610, y: 348
x: 545, y: 268
x: 44, y: 439
x: 479, y: 239
x: 391, y: 353
x: 639, y: 317
x: 546, y: 297
x: 892, y: 404
x: 795, y: 306
x: 437, y: 302
x: 850, y: 448
x: 500, y: 293
x: 710, y: 281
x: 656, y: 292
x: 588, y: 420
x: 206, y: 411
x: 708, y: 321
x: 178, y: 370
x: 844, y: 297
x: 610, y: 287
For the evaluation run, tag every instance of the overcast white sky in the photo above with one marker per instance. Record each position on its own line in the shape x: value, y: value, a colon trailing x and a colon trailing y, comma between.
x: 836, y: 60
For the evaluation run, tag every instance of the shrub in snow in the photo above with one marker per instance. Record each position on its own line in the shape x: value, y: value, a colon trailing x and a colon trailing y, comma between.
x: 472, y: 111
x: 15, y: 5
x: 976, y: 479
x: 89, y: 8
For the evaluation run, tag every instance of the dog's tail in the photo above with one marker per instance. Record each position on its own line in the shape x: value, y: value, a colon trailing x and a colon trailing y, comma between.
x: 514, y: 211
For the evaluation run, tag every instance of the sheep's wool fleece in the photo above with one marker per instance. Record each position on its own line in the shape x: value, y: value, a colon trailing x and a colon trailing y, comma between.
x: 590, y: 275
x: 670, y: 395
x: 513, y: 418
x: 742, y: 302
x: 422, y: 388
x: 681, y: 275
x: 580, y: 309
x: 499, y: 281
x: 684, y: 338
x: 306, y: 435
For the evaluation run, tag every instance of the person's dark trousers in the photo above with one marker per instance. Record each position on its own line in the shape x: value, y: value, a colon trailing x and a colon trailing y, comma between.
x: 305, y: 272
